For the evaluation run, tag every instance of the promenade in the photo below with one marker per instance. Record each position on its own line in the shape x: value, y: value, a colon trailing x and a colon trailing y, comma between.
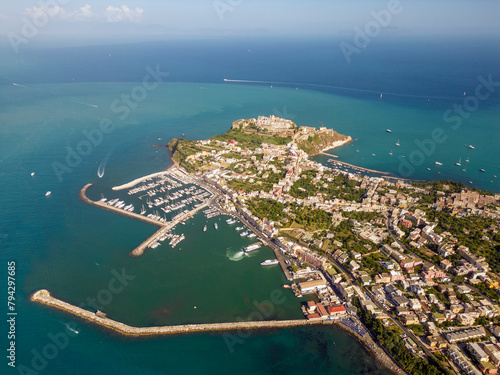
x: 43, y: 296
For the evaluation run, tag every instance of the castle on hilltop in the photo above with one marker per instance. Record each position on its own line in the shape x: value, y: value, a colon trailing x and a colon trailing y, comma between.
x: 271, y: 124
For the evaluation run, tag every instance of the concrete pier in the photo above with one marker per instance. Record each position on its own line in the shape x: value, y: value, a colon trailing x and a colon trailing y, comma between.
x: 137, y: 180
x: 43, y: 296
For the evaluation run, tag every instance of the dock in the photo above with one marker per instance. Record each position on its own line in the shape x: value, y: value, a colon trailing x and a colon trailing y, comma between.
x: 118, y: 211
x: 43, y: 296
x: 164, y: 226
x: 355, y: 166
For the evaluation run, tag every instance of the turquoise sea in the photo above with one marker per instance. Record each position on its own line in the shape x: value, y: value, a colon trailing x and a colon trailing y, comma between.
x: 75, y: 250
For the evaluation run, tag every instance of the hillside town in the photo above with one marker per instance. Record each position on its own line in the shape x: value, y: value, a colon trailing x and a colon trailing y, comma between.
x: 416, y: 262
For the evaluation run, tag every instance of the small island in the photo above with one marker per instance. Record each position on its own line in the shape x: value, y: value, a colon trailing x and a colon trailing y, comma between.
x: 410, y: 268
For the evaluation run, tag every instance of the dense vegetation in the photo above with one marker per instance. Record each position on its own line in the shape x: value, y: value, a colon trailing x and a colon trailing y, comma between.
x: 251, y: 140
x: 339, y: 187
x: 469, y: 232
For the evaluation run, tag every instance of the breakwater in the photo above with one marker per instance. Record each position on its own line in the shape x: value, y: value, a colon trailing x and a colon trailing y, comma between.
x: 119, y: 211
x: 137, y: 180
x: 355, y: 166
x: 43, y: 296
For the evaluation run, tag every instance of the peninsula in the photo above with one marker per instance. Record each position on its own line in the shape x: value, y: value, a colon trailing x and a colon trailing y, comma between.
x: 410, y: 267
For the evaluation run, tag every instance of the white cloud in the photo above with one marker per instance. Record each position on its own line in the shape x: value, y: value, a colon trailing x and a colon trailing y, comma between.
x: 123, y: 13
x: 85, y: 13
x: 53, y: 12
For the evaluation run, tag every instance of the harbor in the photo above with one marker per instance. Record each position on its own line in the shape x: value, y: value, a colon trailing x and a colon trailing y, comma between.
x: 171, y: 198
x: 173, y: 192
x: 43, y: 296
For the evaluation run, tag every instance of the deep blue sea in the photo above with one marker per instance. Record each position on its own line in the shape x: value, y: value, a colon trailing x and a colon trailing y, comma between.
x: 52, y: 101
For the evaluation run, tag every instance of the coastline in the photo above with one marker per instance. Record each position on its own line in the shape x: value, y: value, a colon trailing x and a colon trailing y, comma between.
x: 333, y: 145
x: 374, y: 349
x: 377, y: 352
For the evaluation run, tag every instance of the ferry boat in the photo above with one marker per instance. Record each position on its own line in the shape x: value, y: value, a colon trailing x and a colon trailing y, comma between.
x: 438, y: 163
x: 269, y: 262
x: 48, y: 193
x: 216, y: 226
x: 397, y: 143
x: 251, y: 248
x: 205, y: 228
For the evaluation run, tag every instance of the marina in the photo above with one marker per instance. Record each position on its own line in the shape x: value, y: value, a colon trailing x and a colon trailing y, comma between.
x: 172, y: 198
x: 338, y: 163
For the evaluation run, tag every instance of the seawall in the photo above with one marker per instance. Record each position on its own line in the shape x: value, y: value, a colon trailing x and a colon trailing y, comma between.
x: 43, y: 296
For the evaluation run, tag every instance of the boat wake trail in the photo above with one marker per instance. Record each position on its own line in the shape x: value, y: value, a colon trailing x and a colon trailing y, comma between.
x: 71, y: 329
x: 102, y: 166
x: 340, y: 88
x: 88, y: 104
x: 235, y: 256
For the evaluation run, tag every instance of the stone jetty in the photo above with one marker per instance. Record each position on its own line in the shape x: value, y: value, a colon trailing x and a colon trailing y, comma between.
x: 43, y: 296
x: 119, y: 211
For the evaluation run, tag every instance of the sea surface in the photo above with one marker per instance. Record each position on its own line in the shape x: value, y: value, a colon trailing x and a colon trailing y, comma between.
x: 55, y: 104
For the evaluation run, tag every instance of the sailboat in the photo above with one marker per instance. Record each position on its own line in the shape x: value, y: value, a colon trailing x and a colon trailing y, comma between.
x: 467, y: 160
x: 471, y: 147
x: 459, y: 162
x: 397, y: 143
x: 390, y: 153
x: 143, y: 210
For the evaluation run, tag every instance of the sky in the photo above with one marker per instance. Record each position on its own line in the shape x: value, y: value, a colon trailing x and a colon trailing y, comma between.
x: 150, y: 19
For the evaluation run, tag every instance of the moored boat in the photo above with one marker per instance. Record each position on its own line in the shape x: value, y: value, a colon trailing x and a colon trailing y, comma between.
x: 269, y: 262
